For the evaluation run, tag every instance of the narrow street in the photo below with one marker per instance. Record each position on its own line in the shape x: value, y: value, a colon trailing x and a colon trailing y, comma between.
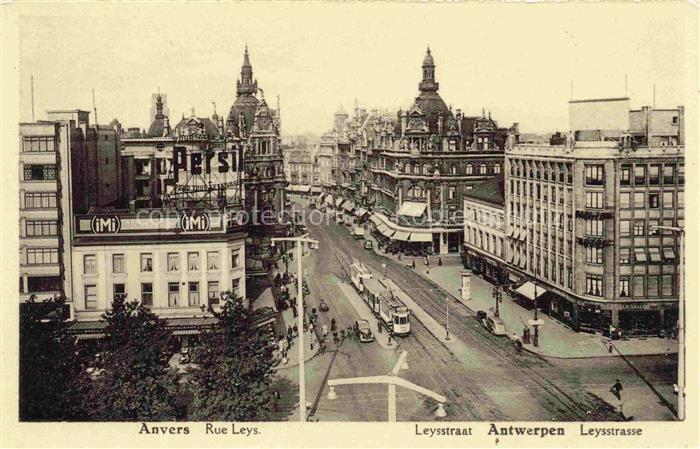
x: 486, y: 379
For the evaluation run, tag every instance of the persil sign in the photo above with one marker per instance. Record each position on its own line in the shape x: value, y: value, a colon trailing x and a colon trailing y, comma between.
x: 206, y: 162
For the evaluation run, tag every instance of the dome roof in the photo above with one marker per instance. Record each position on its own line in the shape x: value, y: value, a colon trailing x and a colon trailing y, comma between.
x: 428, y: 60
x: 432, y: 106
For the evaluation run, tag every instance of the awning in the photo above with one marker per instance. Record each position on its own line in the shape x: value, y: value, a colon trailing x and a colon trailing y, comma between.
x: 384, y: 229
x: 381, y: 227
x: 401, y: 235
x: 530, y: 291
x: 329, y: 200
x: 411, y: 209
x: 300, y: 188
x: 80, y: 337
x: 420, y: 237
x: 348, y: 206
x: 361, y: 212
x: 654, y: 254
x: 669, y: 253
x: 315, y: 189
x: 374, y: 219
x: 640, y: 255
x: 339, y: 201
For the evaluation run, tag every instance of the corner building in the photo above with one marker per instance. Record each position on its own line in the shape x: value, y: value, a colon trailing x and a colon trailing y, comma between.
x: 580, y: 218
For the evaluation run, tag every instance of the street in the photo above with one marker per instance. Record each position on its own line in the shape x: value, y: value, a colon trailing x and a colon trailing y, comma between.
x: 484, y: 378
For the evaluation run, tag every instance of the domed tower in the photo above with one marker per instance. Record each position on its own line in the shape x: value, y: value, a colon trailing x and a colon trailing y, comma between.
x: 160, y: 126
x: 430, y: 102
x: 428, y: 84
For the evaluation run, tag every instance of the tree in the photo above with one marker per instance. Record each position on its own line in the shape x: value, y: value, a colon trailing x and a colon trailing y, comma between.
x: 233, y: 368
x: 133, y: 380
x: 47, y: 362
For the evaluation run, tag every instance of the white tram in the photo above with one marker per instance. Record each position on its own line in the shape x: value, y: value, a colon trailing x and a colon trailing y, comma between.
x: 384, y: 298
x: 359, y: 272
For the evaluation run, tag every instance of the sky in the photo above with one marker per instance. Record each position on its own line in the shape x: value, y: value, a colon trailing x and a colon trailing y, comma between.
x: 517, y: 61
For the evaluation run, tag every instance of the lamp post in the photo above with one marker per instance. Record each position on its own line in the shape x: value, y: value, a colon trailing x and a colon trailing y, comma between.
x: 300, y: 316
x: 536, y: 335
x: 681, y: 317
x: 497, y: 296
x: 447, y: 317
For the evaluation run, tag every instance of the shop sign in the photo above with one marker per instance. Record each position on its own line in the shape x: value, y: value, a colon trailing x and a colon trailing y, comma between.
x: 105, y: 224
x: 195, y: 222
x: 638, y: 306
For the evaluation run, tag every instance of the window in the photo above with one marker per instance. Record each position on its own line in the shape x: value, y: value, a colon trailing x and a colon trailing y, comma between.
x: 669, y: 174
x: 624, y: 287
x: 668, y: 199
x: 173, y: 294
x: 654, y: 175
x: 639, y: 229
x: 38, y: 144
x: 451, y: 193
x: 36, y: 228
x: 594, y: 175
x: 118, y: 263
x: 639, y: 200
x: 90, y: 297
x: 624, y: 256
x: 624, y: 228
x: 681, y: 173
x: 594, y: 285
x: 470, y: 169
x: 193, y: 261
x: 146, y: 263
x: 147, y: 294
x: 639, y: 175
x: 594, y: 200
x: 118, y: 290
x: 453, y: 169
x: 213, y: 292
x: 669, y: 253
x: 625, y: 175
x: 235, y: 258
x: 681, y: 200
x: 89, y: 264
x: 173, y: 262
x: 482, y: 169
x: 594, y: 255
x: 624, y: 200
x: 42, y: 256
x: 654, y: 254
x: 194, y: 294
x: 667, y: 285
x: 654, y: 200
x: 236, y: 288
x: 594, y: 228
x: 496, y: 169
x: 638, y: 286
x: 213, y: 260
x: 640, y: 255
x: 39, y: 200
x: 651, y: 229
x: 652, y: 286
x: 40, y: 172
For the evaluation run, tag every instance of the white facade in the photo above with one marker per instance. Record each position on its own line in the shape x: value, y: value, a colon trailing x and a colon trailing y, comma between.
x: 484, y: 228
x: 180, y: 275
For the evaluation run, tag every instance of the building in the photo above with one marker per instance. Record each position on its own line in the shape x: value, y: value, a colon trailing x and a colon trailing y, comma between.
x: 301, y: 169
x: 420, y: 170
x: 484, y: 229
x: 60, y: 160
x: 580, y: 217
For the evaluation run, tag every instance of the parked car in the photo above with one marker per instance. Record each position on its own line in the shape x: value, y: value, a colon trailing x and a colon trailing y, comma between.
x: 481, y: 315
x: 185, y: 355
x: 368, y: 244
x: 363, y: 331
x: 495, y: 325
x: 323, y: 306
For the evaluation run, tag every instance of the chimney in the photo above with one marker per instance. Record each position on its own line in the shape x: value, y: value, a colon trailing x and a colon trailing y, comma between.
x: 645, y: 121
x: 459, y: 121
x: 681, y: 125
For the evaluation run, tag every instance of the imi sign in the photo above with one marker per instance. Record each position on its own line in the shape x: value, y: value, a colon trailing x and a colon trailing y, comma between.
x: 105, y: 224
x: 195, y: 223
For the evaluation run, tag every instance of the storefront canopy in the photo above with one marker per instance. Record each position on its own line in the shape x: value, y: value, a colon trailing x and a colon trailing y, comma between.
x: 530, y: 291
x: 348, y: 206
x: 374, y: 219
x: 329, y: 200
x: 411, y: 209
x: 381, y: 227
x: 299, y: 188
x: 338, y: 202
x: 401, y: 235
x: 361, y: 212
x: 420, y: 237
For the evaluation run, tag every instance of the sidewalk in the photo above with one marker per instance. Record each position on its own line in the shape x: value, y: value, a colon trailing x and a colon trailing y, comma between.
x: 555, y: 339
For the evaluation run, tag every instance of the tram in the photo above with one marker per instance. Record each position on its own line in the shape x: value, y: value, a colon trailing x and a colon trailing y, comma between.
x: 359, y: 272
x: 384, y: 298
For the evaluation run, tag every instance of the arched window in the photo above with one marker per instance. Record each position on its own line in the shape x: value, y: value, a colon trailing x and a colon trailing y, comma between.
x: 470, y: 169
x: 407, y: 168
x: 416, y: 169
x: 482, y: 169
x: 418, y: 192
x: 453, y: 169
x: 426, y: 169
x: 497, y: 168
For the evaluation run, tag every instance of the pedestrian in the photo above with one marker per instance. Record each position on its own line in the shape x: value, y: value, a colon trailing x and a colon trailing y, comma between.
x: 335, y: 337
x: 427, y: 269
x: 324, y: 330
x: 617, y: 389
x: 296, y: 330
x: 413, y: 264
x: 440, y: 261
x: 379, y: 326
x: 333, y: 326
x: 399, y: 256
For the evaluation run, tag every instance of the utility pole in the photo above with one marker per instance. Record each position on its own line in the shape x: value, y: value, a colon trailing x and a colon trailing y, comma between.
x: 392, y: 381
x: 300, y: 315
x: 681, y: 317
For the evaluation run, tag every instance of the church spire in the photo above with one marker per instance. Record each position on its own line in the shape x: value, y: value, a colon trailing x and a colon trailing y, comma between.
x: 246, y: 85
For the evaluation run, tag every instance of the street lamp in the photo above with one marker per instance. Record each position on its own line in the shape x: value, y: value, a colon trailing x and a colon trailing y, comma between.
x: 681, y: 316
x: 447, y: 317
x: 300, y: 314
x: 536, y: 336
x: 497, y: 296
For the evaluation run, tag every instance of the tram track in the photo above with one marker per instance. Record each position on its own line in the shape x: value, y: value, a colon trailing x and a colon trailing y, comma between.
x: 551, y: 395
